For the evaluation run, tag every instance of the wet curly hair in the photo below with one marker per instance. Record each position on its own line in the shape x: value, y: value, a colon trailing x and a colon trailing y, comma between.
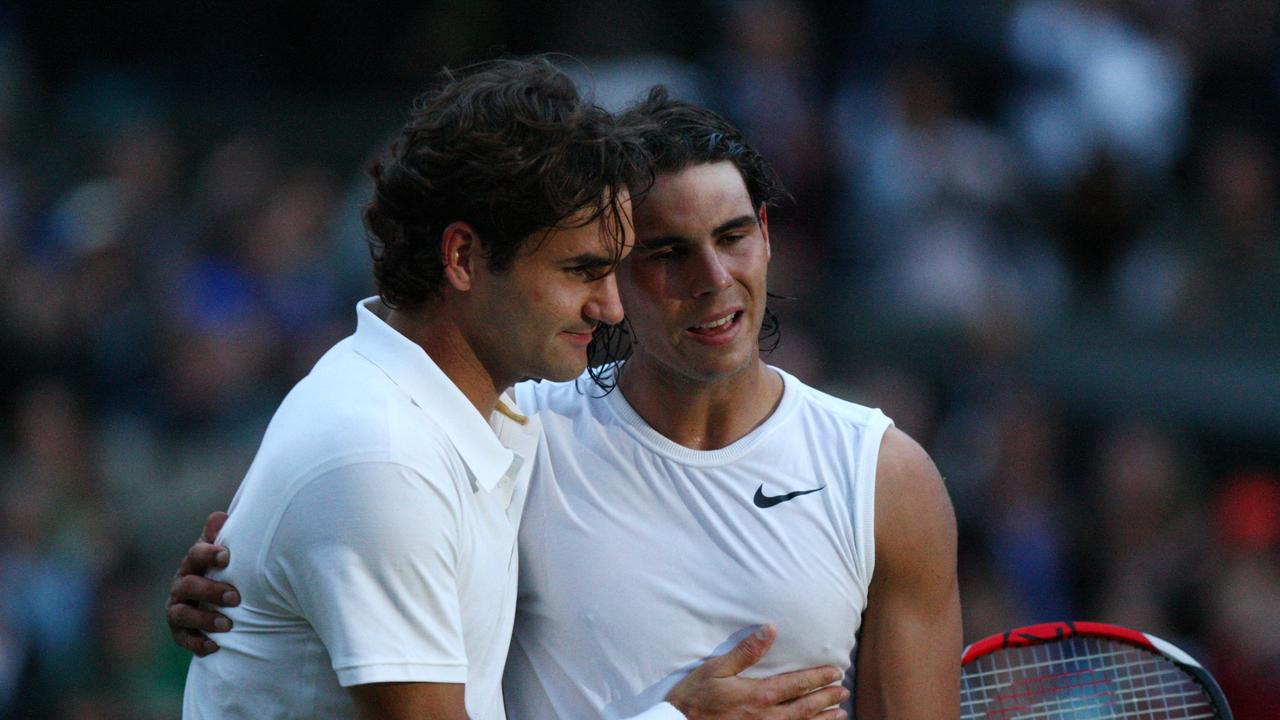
x: 507, y: 146
x: 678, y: 134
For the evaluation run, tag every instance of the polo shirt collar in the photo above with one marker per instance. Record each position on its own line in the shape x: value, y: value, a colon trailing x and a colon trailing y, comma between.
x: 412, y: 370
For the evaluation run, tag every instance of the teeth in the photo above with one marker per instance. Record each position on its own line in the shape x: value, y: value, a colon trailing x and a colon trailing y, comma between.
x: 717, y: 323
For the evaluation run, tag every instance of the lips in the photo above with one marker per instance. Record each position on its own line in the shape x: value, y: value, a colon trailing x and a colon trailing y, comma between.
x: 718, y: 324
x: 579, y: 338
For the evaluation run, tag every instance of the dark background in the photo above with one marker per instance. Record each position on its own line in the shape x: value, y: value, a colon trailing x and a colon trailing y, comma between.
x: 1041, y: 234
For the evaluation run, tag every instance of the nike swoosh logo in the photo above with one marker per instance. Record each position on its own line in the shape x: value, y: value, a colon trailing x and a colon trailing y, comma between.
x: 768, y: 501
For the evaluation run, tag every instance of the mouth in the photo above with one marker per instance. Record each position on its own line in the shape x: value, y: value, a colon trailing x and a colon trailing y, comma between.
x: 582, y: 338
x: 722, y: 327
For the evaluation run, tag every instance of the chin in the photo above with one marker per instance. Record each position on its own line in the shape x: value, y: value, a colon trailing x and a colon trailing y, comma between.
x: 564, y: 370
x: 565, y: 376
x: 724, y: 368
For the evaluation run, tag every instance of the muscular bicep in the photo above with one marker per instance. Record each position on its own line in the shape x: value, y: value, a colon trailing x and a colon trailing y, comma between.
x: 409, y: 701
x: 909, y: 651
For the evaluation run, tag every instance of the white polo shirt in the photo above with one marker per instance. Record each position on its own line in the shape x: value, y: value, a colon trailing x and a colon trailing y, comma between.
x: 373, y: 540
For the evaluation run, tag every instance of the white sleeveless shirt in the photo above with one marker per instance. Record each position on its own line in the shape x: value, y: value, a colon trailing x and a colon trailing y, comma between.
x: 640, y: 558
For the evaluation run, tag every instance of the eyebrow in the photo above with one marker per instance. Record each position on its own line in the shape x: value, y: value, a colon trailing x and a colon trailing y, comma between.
x: 734, y: 224
x: 667, y: 240
x: 588, y: 260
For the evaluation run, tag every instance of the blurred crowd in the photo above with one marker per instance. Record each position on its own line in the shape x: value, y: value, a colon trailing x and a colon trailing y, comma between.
x: 1042, y: 235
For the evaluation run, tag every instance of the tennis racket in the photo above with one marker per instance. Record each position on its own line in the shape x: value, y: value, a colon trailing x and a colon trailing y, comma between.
x: 1084, y: 671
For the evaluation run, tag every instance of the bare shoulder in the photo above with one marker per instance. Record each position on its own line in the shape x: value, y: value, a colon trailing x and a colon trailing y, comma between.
x: 902, y: 460
x: 913, y: 510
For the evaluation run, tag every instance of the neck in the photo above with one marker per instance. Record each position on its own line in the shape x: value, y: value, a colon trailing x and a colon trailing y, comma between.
x: 447, y: 346
x: 700, y: 414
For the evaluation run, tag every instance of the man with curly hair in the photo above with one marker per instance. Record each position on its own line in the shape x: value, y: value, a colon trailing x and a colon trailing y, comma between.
x: 710, y: 491
x: 374, y: 536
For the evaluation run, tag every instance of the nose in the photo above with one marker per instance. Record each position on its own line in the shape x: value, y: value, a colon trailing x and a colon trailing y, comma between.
x: 605, y: 305
x: 709, y: 274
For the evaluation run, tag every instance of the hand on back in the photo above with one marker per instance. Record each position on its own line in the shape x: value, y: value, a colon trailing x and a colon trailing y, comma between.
x: 712, y: 691
x: 189, y: 622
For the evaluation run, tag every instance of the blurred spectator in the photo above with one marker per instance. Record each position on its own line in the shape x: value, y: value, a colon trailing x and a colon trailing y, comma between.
x: 1216, y: 262
x: 933, y: 208
x: 1098, y: 84
x: 1242, y: 603
x: 55, y: 541
x: 1026, y: 514
x: 1152, y: 538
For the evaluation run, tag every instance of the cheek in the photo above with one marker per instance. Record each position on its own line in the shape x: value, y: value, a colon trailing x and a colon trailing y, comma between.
x: 642, y: 282
x: 542, y: 291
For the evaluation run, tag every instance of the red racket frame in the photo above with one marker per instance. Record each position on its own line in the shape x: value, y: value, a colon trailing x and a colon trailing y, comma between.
x: 1051, y: 632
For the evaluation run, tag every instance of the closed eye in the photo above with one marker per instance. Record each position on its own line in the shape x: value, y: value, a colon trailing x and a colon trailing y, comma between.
x: 590, y: 271
x: 669, y: 252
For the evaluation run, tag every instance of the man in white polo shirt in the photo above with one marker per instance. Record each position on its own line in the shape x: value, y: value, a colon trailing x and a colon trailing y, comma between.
x: 375, y: 554
x: 374, y: 533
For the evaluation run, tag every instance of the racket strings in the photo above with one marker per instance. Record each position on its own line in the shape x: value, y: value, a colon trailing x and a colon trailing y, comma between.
x: 1077, y: 678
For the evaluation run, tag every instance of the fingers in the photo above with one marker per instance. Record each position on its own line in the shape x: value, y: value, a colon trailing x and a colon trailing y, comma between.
x: 746, y: 653
x: 188, y: 623
x: 203, y: 557
x: 213, y: 525
x: 184, y: 618
x: 192, y: 589
x: 817, y: 704
x: 194, y: 642
x: 798, y: 685
x: 187, y: 627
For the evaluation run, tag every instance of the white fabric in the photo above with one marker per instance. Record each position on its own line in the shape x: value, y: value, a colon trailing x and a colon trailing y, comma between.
x: 641, y: 558
x: 661, y: 711
x: 370, y: 541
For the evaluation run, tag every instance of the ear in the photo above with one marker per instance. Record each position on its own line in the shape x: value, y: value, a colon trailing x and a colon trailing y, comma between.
x: 764, y: 229
x: 460, y: 254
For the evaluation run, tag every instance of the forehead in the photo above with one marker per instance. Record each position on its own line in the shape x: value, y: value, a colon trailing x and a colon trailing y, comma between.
x: 697, y: 196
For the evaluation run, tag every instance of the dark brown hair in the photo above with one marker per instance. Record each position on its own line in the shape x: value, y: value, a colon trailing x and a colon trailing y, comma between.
x: 679, y: 134
x: 508, y: 146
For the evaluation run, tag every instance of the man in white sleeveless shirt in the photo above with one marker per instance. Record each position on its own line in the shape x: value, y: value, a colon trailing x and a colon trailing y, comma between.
x: 375, y: 533
x: 710, y: 494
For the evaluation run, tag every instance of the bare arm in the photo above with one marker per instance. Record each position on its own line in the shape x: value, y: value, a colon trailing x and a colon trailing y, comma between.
x: 909, y: 651
x: 409, y: 701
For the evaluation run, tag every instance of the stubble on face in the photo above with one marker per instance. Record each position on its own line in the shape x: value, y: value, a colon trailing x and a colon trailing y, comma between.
x: 544, y: 309
x: 695, y: 286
